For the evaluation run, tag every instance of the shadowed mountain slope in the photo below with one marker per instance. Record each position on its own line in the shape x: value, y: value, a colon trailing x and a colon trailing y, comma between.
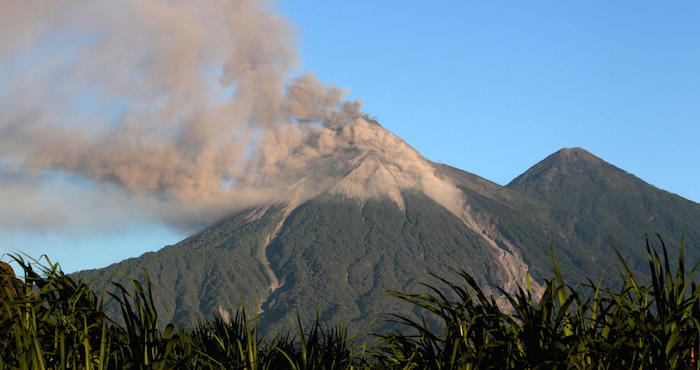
x: 597, y: 203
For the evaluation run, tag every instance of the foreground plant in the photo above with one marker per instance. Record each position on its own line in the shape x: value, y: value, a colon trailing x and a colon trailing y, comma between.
x: 640, y: 326
x: 50, y: 320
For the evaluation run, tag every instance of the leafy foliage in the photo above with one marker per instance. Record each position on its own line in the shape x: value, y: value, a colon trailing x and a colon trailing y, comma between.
x: 639, y: 326
x: 50, y: 320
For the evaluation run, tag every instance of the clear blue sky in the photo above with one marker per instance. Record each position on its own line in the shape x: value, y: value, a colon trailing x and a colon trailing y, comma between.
x: 491, y: 87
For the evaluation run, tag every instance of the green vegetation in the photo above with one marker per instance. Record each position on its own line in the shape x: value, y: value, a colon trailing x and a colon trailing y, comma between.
x: 638, y: 326
x: 52, y: 321
x: 343, y: 256
x: 214, y: 267
x: 331, y: 252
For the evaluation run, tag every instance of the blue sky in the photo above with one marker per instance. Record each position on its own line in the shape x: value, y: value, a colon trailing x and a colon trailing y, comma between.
x: 490, y: 87
x: 493, y: 87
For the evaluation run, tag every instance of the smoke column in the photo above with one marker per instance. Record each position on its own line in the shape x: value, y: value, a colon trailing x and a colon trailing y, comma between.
x: 179, y: 110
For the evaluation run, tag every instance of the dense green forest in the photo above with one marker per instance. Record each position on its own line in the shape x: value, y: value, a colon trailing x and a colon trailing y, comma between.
x: 52, y: 320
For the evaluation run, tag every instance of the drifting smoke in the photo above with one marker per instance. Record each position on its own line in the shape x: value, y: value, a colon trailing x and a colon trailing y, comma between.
x: 181, y: 110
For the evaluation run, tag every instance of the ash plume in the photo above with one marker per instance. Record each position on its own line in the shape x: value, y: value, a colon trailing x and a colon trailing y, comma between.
x: 183, y: 111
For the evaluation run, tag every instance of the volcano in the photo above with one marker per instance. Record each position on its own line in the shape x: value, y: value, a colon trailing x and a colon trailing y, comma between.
x: 368, y: 213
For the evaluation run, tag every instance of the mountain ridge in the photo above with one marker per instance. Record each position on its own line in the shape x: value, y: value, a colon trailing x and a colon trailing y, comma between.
x: 600, y: 203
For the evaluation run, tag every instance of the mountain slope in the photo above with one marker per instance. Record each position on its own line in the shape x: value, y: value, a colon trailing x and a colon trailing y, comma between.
x: 215, y: 267
x: 333, y: 253
x: 598, y: 204
x: 379, y: 247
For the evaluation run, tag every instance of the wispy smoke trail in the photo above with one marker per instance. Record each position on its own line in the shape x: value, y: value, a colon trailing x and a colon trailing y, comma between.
x: 182, y: 109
